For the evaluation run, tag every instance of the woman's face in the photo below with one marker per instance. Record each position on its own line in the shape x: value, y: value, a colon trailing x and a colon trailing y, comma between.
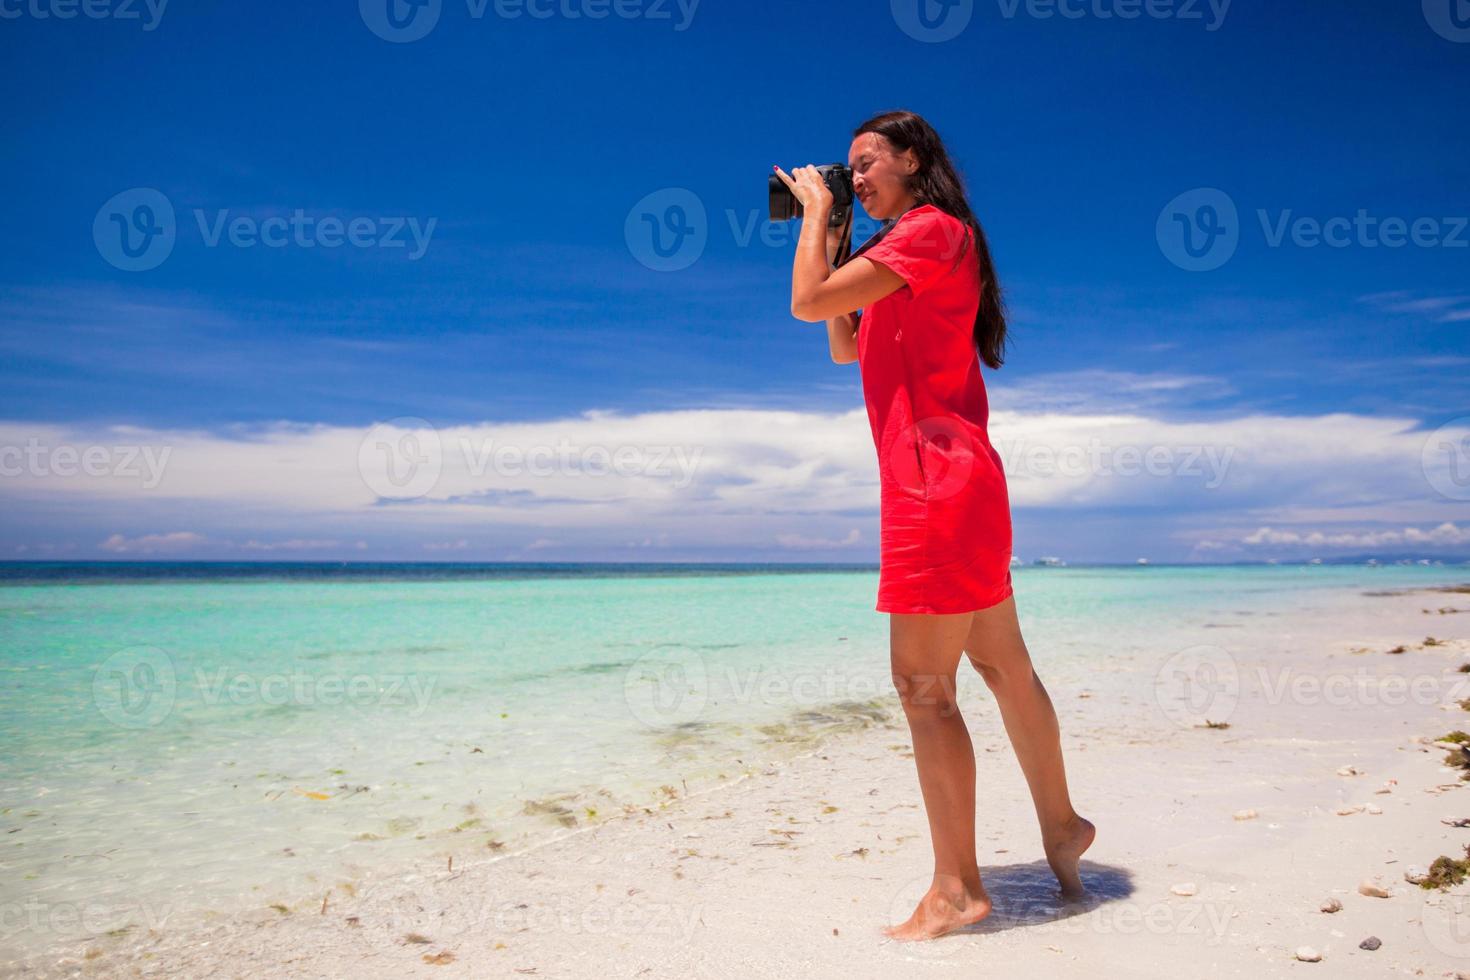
x: 879, y: 175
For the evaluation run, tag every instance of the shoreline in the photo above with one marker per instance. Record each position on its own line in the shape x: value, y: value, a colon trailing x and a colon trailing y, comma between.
x: 797, y: 867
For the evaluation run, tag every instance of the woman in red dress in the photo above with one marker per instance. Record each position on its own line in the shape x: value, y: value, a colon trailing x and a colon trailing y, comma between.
x: 918, y: 307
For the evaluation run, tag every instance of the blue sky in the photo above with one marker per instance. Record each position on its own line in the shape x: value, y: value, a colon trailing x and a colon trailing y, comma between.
x: 522, y: 150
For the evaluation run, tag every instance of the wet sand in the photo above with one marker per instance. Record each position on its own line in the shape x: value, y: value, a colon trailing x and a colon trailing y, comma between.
x: 1237, y: 787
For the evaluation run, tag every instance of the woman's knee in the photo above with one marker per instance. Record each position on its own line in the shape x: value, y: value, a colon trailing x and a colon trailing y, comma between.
x: 926, y: 695
x: 1004, y: 671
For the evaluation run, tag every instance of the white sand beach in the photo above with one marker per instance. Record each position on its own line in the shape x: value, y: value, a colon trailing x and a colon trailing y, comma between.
x: 794, y: 870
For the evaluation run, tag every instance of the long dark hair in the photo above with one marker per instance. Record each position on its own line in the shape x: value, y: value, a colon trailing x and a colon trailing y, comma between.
x: 936, y: 182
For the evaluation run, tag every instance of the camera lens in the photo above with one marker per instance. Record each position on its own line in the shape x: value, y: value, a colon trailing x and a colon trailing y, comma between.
x: 784, y: 205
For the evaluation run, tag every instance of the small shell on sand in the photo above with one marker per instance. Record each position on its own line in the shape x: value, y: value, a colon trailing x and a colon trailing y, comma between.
x: 1372, y: 889
x: 1308, y: 955
x: 1245, y: 814
x: 1387, y: 787
x: 1332, y: 905
x: 1349, y: 771
x: 1347, y: 811
x: 1185, y: 888
x: 1371, y: 943
x: 1373, y: 808
x: 1416, y: 873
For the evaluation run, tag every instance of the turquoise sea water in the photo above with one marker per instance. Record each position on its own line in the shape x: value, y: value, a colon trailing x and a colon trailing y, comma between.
x: 179, y: 738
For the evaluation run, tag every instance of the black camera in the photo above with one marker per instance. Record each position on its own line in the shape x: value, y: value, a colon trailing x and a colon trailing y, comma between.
x: 837, y: 177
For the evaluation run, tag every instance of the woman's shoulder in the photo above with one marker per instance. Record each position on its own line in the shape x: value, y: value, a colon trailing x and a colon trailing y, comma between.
x: 929, y: 219
x: 930, y: 214
x: 934, y: 226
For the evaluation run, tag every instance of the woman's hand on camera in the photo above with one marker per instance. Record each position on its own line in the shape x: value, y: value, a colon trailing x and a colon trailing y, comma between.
x: 807, y: 186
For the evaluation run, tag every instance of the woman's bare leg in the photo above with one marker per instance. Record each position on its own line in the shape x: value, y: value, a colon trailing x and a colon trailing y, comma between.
x: 926, y: 651
x: 996, y: 649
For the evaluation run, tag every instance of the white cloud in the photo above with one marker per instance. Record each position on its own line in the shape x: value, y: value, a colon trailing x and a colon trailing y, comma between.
x: 802, y: 541
x: 726, y: 477
x: 1447, y: 534
x: 295, y: 544
x: 153, y: 543
x: 1450, y: 308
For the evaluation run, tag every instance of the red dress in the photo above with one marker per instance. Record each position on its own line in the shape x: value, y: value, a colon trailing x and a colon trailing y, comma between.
x: 945, y: 537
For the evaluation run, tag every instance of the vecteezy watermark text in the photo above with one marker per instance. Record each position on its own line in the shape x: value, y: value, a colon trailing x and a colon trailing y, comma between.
x: 1211, y: 13
x: 35, y: 459
x: 139, y: 687
x: 404, y: 458
x: 1095, y: 458
x: 147, y: 12
x: 1200, y: 230
x: 307, y: 231
x: 405, y: 21
x: 934, y: 21
x: 668, y: 229
x: 136, y: 230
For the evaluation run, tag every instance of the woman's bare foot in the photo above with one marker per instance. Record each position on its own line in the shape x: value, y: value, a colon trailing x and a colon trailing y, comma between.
x: 944, y: 908
x: 1064, y: 852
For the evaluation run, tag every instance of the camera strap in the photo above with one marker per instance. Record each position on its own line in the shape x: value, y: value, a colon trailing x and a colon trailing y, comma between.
x: 844, y: 248
x: 874, y: 240
x: 877, y: 237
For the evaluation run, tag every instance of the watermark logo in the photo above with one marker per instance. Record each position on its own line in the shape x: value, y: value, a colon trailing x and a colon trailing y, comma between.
x: 401, y: 458
x: 663, y: 688
x: 400, y: 21
x: 221, y: 686
x: 1196, y: 685
x: 135, y: 230
x: 608, y: 917
x: 1363, y: 230
x: 1093, y: 457
x: 1450, y: 19
x: 1357, y: 688
x: 932, y: 21
x: 1199, y: 230
x: 405, y: 458
x: 1445, y: 459
x: 303, y: 230
x: 135, y: 687
x: 1210, y: 13
x: 403, y: 21
x: 934, y: 457
x: 1445, y: 919
x: 78, y: 920
x: 667, y: 230
x: 142, y: 463
x: 149, y: 13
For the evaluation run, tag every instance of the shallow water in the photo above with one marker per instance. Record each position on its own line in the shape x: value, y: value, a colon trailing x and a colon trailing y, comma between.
x: 218, y: 738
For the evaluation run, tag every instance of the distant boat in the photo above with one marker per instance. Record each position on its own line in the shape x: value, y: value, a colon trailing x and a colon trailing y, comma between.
x: 1270, y: 561
x: 1316, y: 561
x: 1371, y: 561
x: 1142, y: 561
x: 1016, y: 561
x: 1052, y: 562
